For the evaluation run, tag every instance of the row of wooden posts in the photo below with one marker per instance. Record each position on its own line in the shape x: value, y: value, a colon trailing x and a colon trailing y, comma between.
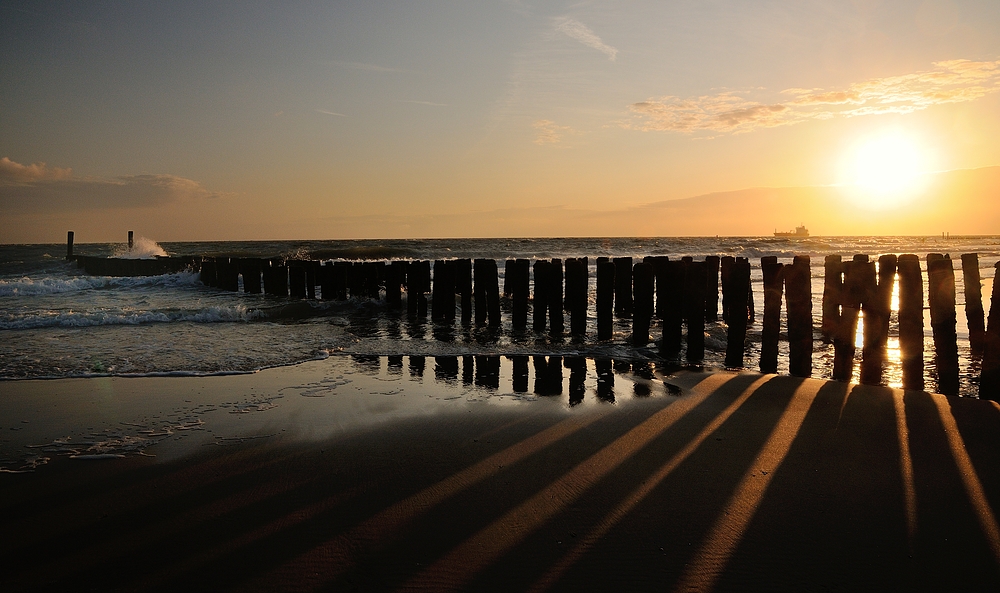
x: 686, y: 296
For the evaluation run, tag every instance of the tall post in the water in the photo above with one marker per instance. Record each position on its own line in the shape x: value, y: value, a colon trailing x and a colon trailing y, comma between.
x: 739, y: 289
x: 989, y: 381
x: 941, y: 299
x: 540, y: 301
x: 69, y: 244
x: 555, y: 295
x: 877, y: 311
x: 642, y: 291
x: 712, y: 288
x: 973, y: 301
x: 844, y: 341
x: 623, y: 287
x: 695, y: 285
x: 130, y: 240
x: 833, y: 288
x: 911, y: 321
x: 773, y: 285
x: 605, y: 298
x: 798, y: 295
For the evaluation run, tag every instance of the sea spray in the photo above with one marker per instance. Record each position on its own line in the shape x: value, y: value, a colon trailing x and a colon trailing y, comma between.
x: 142, y: 248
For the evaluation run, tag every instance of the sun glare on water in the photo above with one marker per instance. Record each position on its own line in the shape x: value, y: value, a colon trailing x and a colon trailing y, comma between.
x: 885, y: 170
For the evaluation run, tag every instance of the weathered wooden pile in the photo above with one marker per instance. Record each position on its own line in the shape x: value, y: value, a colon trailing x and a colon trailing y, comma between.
x: 682, y: 294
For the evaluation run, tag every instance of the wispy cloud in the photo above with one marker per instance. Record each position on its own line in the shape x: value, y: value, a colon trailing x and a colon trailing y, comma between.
x: 11, y: 172
x: 549, y: 132
x: 423, y: 103
x: 38, y: 187
x: 584, y: 35
x: 953, y: 81
x: 325, y: 112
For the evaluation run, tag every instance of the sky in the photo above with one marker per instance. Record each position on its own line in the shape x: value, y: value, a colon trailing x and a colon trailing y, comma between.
x: 326, y: 120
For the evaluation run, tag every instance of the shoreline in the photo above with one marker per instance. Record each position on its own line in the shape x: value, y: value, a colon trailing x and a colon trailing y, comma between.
x: 349, y: 473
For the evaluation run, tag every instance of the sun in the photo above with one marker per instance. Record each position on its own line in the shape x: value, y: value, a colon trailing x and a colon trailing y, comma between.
x: 885, y: 170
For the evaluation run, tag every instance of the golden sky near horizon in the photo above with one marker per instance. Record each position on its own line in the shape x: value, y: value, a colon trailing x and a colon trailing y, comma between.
x: 199, y: 121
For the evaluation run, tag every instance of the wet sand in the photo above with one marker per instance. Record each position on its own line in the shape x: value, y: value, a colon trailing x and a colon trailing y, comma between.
x: 358, y: 474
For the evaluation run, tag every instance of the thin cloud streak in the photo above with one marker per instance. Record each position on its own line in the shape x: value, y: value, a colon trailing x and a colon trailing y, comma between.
x: 325, y: 112
x: 584, y: 35
x: 430, y: 103
x: 365, y: 67
x: 952, y: 81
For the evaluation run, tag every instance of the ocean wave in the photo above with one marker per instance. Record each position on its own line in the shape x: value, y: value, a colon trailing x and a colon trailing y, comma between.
x: 125, y: 317
x: 27, y: 286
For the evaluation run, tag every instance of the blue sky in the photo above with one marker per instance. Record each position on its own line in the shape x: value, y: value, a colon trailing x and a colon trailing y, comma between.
x: 320, y: 119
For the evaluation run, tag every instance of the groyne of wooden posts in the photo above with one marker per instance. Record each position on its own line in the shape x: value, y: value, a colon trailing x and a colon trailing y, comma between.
x: 682, y: 294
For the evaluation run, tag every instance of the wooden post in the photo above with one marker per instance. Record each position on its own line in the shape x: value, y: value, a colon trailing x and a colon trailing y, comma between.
x: 911, y: 321
x: 726, y: 268
x: 520, y: 278
x: 642, y: 289
x: 773, y: 285
x: 877, y: 310
x: 673, y: 315
x: 844, y: 341
x: 325, y: 278
x: 463, y: 286
x: 576, y: 294
x: 355, y: 280
x: 973, y: 302
x: 276, y: 278
x: 208, y: 274
x: 438, y: 290
x: 739, y: 288
x: 228, y: 272
x: 340, y: 272
x: 833, y: 288
x: 623, y: 287
x: 605, y: 298
x: 418, y: 280
x: 712, y: 288
x: 393, y: 285
x: 493, y: 295
x: 540, y: 302
x: 486, y: 292
x: 555, y: 297
x: 69, y: 244
x: 659, y: 264
x: 989, y: 380
x: 297, y: 279
x: 695, y: 283
x: 249, y: 267
x: 130, y: 240
x: 751, y: 310
x: 941, y: 298
x: 311, y: 268
x: 798, y: 295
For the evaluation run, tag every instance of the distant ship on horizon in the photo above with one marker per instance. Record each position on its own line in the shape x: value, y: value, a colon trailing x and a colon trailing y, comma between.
x: 800, y: 231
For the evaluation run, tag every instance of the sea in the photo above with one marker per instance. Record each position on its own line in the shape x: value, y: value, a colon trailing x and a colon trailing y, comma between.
x: 56, y: 321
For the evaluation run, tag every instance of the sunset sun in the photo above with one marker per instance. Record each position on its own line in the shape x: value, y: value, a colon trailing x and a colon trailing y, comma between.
x: 885, y: 170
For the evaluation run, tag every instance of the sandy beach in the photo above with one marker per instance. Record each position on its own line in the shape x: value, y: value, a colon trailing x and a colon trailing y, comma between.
x: 358, y: 474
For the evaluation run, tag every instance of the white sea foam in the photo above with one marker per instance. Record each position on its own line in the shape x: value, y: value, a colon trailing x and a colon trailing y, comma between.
x: 215, y: 314
x: 26, y: 286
